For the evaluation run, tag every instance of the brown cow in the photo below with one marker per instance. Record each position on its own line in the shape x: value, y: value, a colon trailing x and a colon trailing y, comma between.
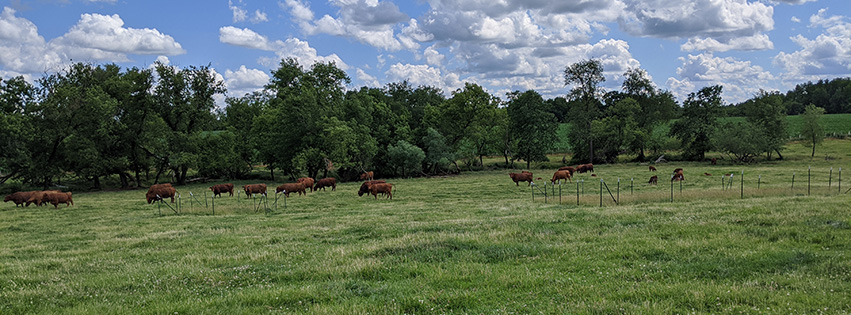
x: 19, y: 198
x: 326, y: 182
x: 558, y: 176
x: 55, y: 198
x: 220, y: 188
x: 37, y: 197
x: 160, y: 192
x: 254, y: 189
x: 567, y: 168
x: 585, y: 168
x: 367, y: 176
x: 652, y: 168
x: 381, y: 188
x: 364, y: 188
x: 678, y: 176
x: 308, y: 183
x: 707, y: 174
x: 291, y: 187
x: 677, y: 170
x: 653, y: 180
x: 521, y: 177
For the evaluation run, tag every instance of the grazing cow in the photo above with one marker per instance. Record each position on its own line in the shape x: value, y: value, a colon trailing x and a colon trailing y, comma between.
x: 367, y: 176
x: 713, y: 161
x: 308, y: 183
x: 707, y: 174
x: 558, y: 176
x: 19, y: 198
x: 567, y: 168
x: 37, y: 197
x: 678, y: 176
x: 326, y: 182
x: 521, y: 177
x: 55, y: 198
x: 254, y: 189
x: 652, y: 168
x: 160, y: 192
x: 585, y: 168
x: 381, y: 188
x: 291, y: 187
x: 221, y: 188
x: 364, y: 188
x: 677, y: 170
x: 653, y: 180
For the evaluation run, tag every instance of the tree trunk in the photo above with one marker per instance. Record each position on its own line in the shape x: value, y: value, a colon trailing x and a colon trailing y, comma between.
x: 272, y: 171
x: 96, y: 180
x: 528, y: 164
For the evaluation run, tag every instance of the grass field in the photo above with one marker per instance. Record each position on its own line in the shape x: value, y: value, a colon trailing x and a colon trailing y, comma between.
x: 473, y: 243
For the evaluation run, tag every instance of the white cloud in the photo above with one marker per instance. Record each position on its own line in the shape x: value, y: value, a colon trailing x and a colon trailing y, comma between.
x: 244, y: 80
x: 740, y: 79
x: 239, y: 14
x: 107, y: 33
x: 369, y: 21
x: 433, y: 57
x: 300, y: 11
x: 259, y: 16
x: 756, y: 42
x: 828, y: 55
x: 367, y: 79
x: 244, y: 37
x: 423, y: 75
x: 795, y: 19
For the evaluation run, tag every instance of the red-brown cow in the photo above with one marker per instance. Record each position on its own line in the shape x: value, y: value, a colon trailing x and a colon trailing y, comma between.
x: 567, y: 168
x: 160, y: 192
x: 585, y: 168
x: 367, y: 176
x: 653, y: 180
x: 307, y: 181
x: 221, y: 188
x: 652, y: 168
x: 364, y: 188
x: 678, y: 176
x: 37, y: 197
x: 291, y: 188
x: 55, y: 198
x: 326, y: 182
x: 559, y: 176
x: 707, y: 174
x: 254, y: 189
x: 521, y: 177
x: 381, y: 188
x: 19, y: 198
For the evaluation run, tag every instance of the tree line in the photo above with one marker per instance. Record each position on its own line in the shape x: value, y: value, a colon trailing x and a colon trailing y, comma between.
x: 92, y: 122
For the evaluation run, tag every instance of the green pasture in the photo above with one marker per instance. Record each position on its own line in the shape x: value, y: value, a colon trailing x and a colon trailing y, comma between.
x: 473, y: 243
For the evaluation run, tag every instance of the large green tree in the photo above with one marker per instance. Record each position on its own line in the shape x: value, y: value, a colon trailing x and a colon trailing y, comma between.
x: 16, y: 98
x: 698, y: 122
x: 533, y: 127
x: 655, y: 107
x: 585, y: 106
x: 767, y: 113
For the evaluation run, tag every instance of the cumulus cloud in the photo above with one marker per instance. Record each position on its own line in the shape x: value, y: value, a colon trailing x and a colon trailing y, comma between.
x: 740, y: 79
x: 244, y: 80
x: 244, y: 37
x: 423, y: 75
x: 366, y: 78
x: 239, y: 14
x: 107, y: 33
x: 259, y: 16
x: 712, y: 25
x: 829, y: 54
x: 756, y: 42
x: 369, y: 21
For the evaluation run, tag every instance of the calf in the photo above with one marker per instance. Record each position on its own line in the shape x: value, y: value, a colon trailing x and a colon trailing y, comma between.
x: 364, y: 188
x: 653, y: 180
x: 291, y: 187
x: 559, y: 176
x: 160, y: 193
x: 254, y: 189
x: 521, y: 177
x: 55, y: 198
x: 307, y: 181
x: 326, y: 182
x: 381, y: 188
x: 220, y: 188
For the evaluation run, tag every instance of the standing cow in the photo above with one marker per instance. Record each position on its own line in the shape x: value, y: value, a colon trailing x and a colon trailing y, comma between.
x: 221, y: 188
x: 653, y: 180
x: 307, y: 182
x: 381, y: 188
x: 254, y: 189
x: 291, y: 188
x: 160, y: 192
x: 559, y: 176
x: 364, y: 188
x: 521, y: 177
x: 326, y: 182
x: 55, y: 198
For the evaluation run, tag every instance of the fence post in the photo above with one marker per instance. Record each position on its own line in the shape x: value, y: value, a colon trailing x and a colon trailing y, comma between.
x: 205, y: 199
x: 793, y: 182
x: 830, y: 179
x: 577, y: 193
x: 631, y: 181
x: 743, y: 185
x: 213, y: 202
x: 559, y: 193
x: 601, y: 192
x: 672, y: 188
x: 619, y: 190
x: 723, y: 185
x: 808, y: 180
x: 178, y: 203
x: 840, y: 180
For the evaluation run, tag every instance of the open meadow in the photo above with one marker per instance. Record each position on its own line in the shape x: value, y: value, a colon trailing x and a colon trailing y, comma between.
x: 473, y: 243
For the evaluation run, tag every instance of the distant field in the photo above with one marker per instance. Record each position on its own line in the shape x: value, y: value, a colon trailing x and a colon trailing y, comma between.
x: 473, y: 243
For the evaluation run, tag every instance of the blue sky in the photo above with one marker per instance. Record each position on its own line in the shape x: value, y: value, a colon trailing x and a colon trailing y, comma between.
x: 503, y: 45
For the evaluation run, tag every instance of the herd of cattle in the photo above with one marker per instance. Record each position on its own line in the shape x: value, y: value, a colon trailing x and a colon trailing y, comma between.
x: 566, y: 173
x: 371, y: 186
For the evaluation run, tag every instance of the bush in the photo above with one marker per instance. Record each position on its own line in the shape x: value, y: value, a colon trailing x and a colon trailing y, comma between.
x: 405, y: 158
